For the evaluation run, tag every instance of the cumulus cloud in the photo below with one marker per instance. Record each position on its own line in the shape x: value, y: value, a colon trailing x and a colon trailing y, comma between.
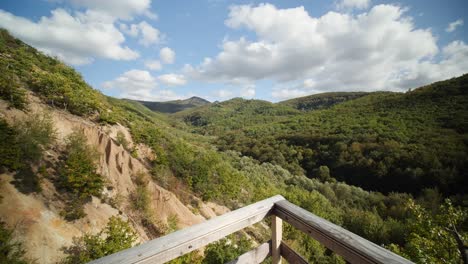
x: 131, y: 30
x: 377, y: 50
x: 139, y: 85
x: 167, y: 55
x: 245, y: 91
x: 133, y: 80
x: 123, y: 9
x: 248, y: 91
x: 358, y: 4
x: 223, y: 94
x: 148, y: 34
x: 172, y: 79
x: 452, y: 26
x: 153, y: 65
x: 76, y: 39
x: 147, y: 95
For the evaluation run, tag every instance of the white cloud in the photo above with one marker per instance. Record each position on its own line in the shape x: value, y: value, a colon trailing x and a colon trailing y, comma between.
x: 172, y: 79
x: 153, y: 65
x: 248, y: 91
x: 288, y: 93
x: 452, y: 26
x: 376, y: 50
x: 148, y: 34
x: 223, y: 94
x: 245, y: 91
x: 76, y: 39
x: 139, y: 85
x: 131, y: 30
x: 167, y: 55
x: 133, y: 80
x: 358, y: 4
x: 148, y: 95
x: 123, y: 9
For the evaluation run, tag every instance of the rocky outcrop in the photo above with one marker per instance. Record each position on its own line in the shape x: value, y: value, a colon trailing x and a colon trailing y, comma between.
x: 36, y: 217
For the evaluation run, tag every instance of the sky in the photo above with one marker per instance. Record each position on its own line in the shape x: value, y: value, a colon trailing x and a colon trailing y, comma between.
x: 218, y: 49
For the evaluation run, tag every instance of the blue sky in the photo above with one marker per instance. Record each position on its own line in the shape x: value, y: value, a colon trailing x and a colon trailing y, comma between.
x: 216, y: 49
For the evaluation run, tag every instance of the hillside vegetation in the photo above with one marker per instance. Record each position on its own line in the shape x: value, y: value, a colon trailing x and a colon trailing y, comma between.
x: 380, y: 141
x: 320, y: 101
x: 176, y: 105
x: 412, y: 147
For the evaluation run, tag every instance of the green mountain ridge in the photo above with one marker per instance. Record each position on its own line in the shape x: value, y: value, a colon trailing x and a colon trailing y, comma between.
x: 175, y: 105
x: 374, y: 134
x: 321, y: 100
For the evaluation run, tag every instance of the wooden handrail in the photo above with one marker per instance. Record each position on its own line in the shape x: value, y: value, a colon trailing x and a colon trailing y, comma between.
x: 181, y: 242
x: 350, y: 246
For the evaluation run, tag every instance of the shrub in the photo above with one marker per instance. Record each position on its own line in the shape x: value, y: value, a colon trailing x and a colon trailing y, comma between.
x: 22, y: 145
x: 35, y: 133
x: 10, y: 251
x: 116, y: 236
x: 78, y: 171
x: 10, y: 89
x: 140, y: 198
x: 172, y: 223
x: 226, y: 249
x: 10, y: 152
x: 121, y: 140
x: 193, y: 257
x: 63, y: 87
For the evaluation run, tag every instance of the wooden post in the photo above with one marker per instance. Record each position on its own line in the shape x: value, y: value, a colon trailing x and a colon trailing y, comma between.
x: 276, y: 237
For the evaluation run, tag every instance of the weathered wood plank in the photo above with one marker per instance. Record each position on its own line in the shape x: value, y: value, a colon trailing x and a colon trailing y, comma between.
x: 291, y: 256
x: 256, y: 255
x: 181, y: 242
x: 351, y: 247
x: 276, y: 237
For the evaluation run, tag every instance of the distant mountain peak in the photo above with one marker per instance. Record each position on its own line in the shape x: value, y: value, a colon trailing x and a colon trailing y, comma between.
x: 197, y: 100
x: 176, y: 105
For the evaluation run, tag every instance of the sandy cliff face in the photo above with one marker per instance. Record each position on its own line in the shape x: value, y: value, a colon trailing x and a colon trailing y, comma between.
x: 36, y: 216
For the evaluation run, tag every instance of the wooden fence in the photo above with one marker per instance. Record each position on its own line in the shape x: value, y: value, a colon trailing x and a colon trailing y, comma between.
x: 353, y: 248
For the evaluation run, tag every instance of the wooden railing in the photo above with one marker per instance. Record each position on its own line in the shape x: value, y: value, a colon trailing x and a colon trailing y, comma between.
x: 353, y: 248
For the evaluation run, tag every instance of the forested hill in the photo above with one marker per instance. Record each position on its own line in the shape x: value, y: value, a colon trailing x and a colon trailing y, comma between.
x: 176, y: 105
x: 320, y: 101
x: 380, y: 141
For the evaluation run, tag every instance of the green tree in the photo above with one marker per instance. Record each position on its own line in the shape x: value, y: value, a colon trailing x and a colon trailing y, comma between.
x: 436, y: 238
x: 78, y: 171
x: 226, y: 249
x: 34, y: 134
x: 116, y: 236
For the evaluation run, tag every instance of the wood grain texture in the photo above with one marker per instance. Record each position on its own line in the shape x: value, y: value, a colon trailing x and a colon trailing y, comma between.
x: 181, y: 242
x: 276, y: 237
x: 257, y: 255
x: 350, y: 246
x: 291, y: 256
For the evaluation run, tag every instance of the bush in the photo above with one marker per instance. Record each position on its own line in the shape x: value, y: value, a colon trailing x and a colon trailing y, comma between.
x: 10, y: 152
x: 78, y: 171
x: 10, y: 89
x: 227, y: 249
x: 34, y: 134
x: 63, y: 87
x: 10, y: 251
x: 22, y: 146
x: 116, y: 236
x: 121, y: 140
x: 140, y: 198
x: 172, y: 223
